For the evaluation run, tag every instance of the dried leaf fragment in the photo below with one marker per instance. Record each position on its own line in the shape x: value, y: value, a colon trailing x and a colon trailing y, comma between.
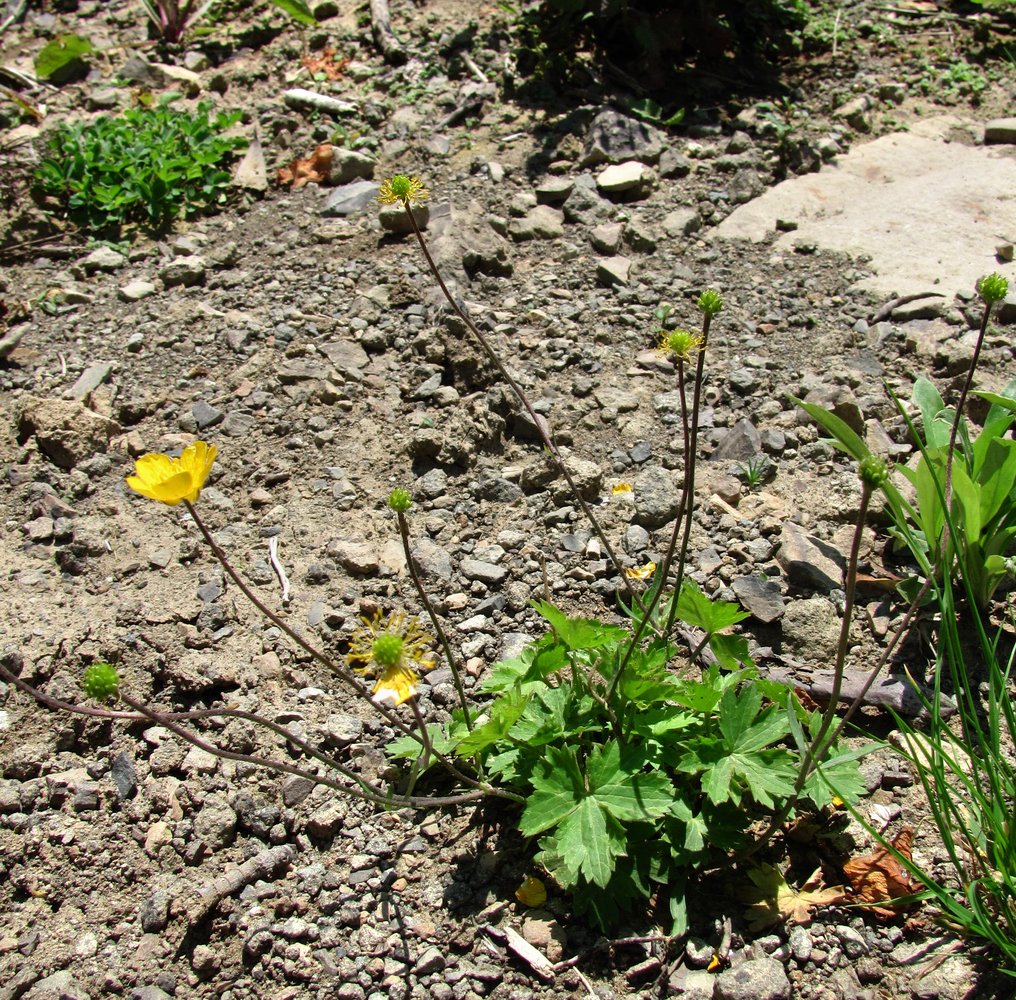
x: 315, y: 167
x: 775, y: 901
x: 879, y: 877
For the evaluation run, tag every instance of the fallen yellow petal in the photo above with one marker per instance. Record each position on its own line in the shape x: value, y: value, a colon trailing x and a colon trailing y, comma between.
x: 621, y: 488
x: 640, y: 572
x: 532, y: 892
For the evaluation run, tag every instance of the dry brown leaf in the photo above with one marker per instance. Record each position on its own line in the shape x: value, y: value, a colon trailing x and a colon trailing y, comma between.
x: 327, y: 63
x: 879, y: 877
x: 775, y: 901
x: 315, y: 167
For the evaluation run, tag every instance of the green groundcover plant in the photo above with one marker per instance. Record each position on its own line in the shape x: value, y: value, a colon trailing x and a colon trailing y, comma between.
x: 147, y: 167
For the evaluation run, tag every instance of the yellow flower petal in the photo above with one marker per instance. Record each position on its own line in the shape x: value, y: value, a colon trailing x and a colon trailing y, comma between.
x: 395, y: 686
x: 640, y: 572
x: 622, y: 488
x: 532, y: 892
x: 171, y: 480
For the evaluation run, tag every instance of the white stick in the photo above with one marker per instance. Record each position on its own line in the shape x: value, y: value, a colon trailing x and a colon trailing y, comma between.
x: 273, y: 558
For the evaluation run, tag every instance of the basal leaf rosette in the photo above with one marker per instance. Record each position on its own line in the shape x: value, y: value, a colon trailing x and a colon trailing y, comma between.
x: 172, y: 480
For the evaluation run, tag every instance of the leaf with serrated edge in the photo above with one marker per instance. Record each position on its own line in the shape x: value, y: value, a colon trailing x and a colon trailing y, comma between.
x: 775, y: 901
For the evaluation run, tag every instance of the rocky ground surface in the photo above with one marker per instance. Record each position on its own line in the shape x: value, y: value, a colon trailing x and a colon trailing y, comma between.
x: 299, y: 332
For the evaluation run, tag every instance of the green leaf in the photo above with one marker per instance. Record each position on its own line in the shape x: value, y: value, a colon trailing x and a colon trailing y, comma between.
x: 699, y: 611
x: 298, y: 11
x: 738, y: 712
x: 557, y: 791
x: 619, y: 784
x: 843, y: 436
x: 59, y: 54
x: 731, y: 651
x: 503, y: 714
x: 591, y: 839
x: 578, y: 633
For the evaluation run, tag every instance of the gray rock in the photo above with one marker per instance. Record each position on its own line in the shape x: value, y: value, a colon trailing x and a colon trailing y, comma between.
x: 809, y: 562
x: 350, y: 165
x: 90, y: 380
x: 613, y: 271
x: 136, y: 290
x: 65, y: 431
x: 103, y: 259
x: 154, y: 912
x: 606, y: 238
x: 540, y: 223
x: 355, y: 556
x: 237, y: 424
x: 855, y: 113
x: 812, y: 628
x: 639, y: 238
x: 395, y: 219
x: 657, y: 497
x: 553, y: 190
x: 186, y: 271
x: 205, y: 415
x: 431, y: 961
x: 341, y: 729
x: 215, y: 824
x: 347, y: 357
x: 432, y: 559
x: 59, y: 986
x: 431, y: 484
x: 479, y: 569
x: 351, y: 198
x: 761, y: 597
x: 543, y: 473
x: 1000, y: 130
x: 486, y: 253
x: 674, y: 164
x: 614, y: 138
x: 799, y: 940
x: 853, y: 943
x: 584, y: 205
x: 739, y: 444
x: 757, y: 979
x: 630, y: 178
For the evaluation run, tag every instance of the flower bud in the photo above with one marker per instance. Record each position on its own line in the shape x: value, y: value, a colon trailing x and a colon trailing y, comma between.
x: 993, y: 288
x: 710, y: 302
x: 399, y: 500
x: 101, y: 681
x: 873, y: 471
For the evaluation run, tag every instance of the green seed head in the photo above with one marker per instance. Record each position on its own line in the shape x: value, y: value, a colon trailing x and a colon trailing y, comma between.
x: 710, y: 302
x: 873, y: 471
x: 387, y: 650
x: 993, y: 288
x: 399, y: 500
x: 101, y: 681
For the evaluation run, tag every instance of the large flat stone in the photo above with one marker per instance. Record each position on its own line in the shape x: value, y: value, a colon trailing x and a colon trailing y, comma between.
x: 928, y: 212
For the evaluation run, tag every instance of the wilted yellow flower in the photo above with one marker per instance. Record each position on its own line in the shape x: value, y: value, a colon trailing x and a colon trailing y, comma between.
x: 532, y: 892
x: 389, y: 642
x: 170, y: 480
x: 621, y: 488
x: 640, y: 572
x: 402, y: 189
x: 396, y: 685
x: 681, y: 344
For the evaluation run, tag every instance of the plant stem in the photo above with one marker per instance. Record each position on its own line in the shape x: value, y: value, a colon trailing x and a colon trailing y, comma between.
x: 820, y: 744
x: 361, y: 690
x: 520, y: 394
x: 442, y: 638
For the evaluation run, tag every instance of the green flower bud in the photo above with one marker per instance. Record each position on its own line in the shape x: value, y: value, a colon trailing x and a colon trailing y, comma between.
x: 993, y: 288
x: 387, y: 649
x: 873, y: 471
x: 399, y: 500
x: 710, y: 302
x: 101, y: 681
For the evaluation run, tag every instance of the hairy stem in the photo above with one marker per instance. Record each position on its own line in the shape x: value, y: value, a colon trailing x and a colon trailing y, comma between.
x: 523, y: 398
x: 432, y: 614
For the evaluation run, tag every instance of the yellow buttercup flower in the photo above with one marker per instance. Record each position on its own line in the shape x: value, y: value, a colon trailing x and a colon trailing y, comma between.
x: 402, y: 190
x: 389, y: 642
x: 396, y: 685
x: 170, y: 480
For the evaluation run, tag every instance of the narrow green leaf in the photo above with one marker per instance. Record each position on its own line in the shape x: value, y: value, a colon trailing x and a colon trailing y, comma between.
x: 298, y: 11
x: 843, y: 435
